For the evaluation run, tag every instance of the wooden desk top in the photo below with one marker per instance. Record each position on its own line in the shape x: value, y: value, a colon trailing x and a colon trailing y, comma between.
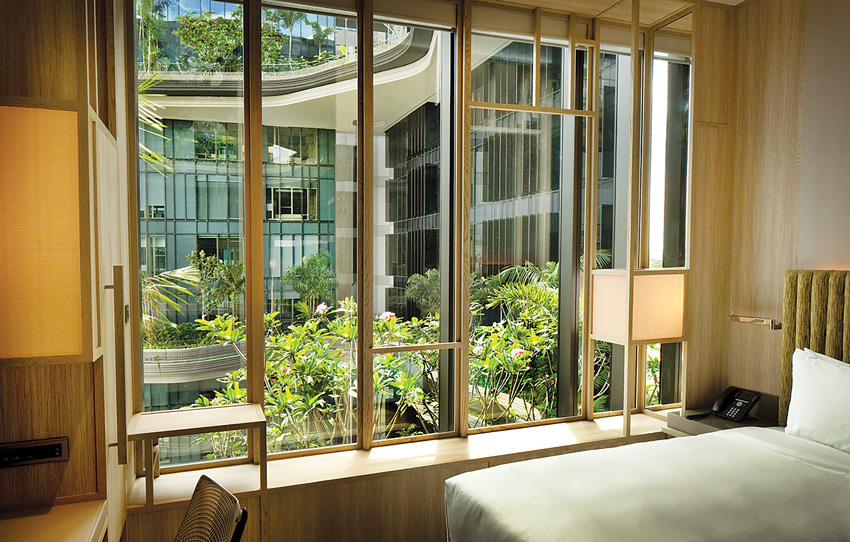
x: 77, y: 522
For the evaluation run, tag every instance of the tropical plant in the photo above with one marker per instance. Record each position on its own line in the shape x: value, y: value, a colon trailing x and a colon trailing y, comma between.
x: 288, y: 19
x: 207, y: 267
x: 164, y: 291
x: 314, y: 280
x: 151, y: 24
x: 150, y: 122
x: 320, y: 34
x: 230, y: 282
x: 425, y: 291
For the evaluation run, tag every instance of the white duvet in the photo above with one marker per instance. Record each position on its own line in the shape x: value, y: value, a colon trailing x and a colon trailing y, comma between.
x: 744, y: 485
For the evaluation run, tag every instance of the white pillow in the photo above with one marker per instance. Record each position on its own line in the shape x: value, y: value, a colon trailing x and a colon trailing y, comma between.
x: 820, y: 400
x: 826, y: 358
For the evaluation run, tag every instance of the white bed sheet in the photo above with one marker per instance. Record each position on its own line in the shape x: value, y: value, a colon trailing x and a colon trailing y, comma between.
x: 749, y: 484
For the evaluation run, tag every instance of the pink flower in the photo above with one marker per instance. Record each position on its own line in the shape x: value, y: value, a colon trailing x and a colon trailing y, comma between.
x: 286, y: 369
x: 478, y: 350
x: 322, y: 308
x: 517, y: 352
x: 277, y: 37
x: 215, y: 22
x: 386, y: 315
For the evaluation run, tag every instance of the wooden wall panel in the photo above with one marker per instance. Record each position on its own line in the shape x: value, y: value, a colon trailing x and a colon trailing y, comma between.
x: 161, y: 525
x: 770, y: 36
x: 48, y: 401
x: 38, y: 39
x: 708, y: 282
x: 710, y: 206
x: 713, y: 63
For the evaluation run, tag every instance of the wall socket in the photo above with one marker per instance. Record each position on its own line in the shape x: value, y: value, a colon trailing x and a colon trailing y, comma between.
x: 14, y: 454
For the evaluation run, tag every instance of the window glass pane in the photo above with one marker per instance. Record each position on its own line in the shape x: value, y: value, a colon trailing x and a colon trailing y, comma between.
x: 412, y: 181
x: 527, y: 171
x: 663, y: 374
x: 178, y: 450
x: 613, y: 191
x: 609, y: 363
x: 309, y: 265
x: 407, y: 390
x: 582, y: 77
x: 554, y: 75
x: 191, y: 187
x: 668, y: 163
x: 502, y: 70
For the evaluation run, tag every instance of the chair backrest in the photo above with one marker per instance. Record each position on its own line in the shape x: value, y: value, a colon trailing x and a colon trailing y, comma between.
x: 211, y: 515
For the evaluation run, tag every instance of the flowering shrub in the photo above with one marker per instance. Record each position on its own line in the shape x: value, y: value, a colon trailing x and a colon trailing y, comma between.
x: 311, y: 384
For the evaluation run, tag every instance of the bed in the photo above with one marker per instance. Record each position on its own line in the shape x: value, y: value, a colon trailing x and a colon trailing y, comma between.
x: 748, y: 483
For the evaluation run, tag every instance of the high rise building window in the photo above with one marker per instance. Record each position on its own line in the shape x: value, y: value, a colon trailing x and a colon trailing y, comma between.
x: 291, y: 204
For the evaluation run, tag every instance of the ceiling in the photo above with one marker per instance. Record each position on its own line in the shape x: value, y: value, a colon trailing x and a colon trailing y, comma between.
x: 651, y: 11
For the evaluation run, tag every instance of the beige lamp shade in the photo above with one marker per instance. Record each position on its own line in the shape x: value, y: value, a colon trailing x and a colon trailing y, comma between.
x: 658, y: 306
x: 40, y: 276
x: 658, y: 310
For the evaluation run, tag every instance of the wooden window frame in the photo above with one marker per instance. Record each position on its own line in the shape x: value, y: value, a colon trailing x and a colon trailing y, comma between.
x: 254, y: 215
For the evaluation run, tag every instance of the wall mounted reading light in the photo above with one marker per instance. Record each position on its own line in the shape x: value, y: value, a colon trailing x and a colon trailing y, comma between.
x: 771, y: 323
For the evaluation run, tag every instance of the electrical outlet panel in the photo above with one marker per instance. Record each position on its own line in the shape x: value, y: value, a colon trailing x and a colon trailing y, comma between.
x: 14, y: 454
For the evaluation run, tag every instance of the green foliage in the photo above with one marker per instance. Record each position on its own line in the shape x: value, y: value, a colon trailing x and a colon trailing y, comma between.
x: 230, y: 282
x: 310, y: 378
x: 224, y: 329
x: 184, y: 335
x: 313, y: 280
x: 217, y: 41
x: 425, y: 291
x: 163, y: 291
x: 653, y: 376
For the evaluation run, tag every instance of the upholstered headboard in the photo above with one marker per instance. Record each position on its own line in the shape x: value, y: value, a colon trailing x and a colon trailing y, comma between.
x: 815, y: 315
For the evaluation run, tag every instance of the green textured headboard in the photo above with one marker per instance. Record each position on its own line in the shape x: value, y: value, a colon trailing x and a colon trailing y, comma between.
x: 815, y: 315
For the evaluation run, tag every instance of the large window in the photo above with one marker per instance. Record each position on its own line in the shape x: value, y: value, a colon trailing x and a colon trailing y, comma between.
x: 341, y: 260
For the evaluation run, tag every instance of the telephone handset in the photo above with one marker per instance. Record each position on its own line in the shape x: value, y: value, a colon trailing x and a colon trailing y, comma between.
x: 733, y: 404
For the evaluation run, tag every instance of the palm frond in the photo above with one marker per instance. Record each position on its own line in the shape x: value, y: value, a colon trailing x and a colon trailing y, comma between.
x: 517, y: 296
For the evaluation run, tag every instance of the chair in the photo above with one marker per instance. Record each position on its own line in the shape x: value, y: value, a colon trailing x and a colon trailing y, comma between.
x: 211, y: 515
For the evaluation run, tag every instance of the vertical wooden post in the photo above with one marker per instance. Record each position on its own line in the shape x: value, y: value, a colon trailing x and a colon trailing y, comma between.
x: 463, y: 191
x: 591, y: 183
x: 365, y: 210
x: 253, y: 219
x: 633, y: 234
x: 148, y: 472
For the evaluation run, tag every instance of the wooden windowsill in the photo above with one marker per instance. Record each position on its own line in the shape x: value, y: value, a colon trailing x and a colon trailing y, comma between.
x: 175, y: 488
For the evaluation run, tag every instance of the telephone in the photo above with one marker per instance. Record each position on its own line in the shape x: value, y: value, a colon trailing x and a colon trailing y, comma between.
x: 733, y: 404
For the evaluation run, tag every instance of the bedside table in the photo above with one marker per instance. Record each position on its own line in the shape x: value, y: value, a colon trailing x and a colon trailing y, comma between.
x: 678, y: 425
x: 764, y: 414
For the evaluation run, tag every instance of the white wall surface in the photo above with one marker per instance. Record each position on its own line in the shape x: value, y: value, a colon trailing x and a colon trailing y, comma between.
x: 824, y: 199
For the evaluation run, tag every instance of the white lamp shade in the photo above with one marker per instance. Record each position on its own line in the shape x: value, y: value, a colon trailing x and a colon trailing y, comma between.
x: 609, y: 317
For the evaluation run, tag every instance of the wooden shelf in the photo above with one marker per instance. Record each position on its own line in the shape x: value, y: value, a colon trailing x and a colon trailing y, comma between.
x: 193, y: 421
